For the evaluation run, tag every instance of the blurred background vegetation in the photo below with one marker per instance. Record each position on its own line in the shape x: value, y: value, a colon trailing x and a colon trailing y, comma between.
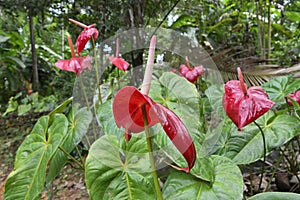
x: 260, y: 34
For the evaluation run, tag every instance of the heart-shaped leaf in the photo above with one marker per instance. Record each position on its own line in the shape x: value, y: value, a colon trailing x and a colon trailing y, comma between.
x: 28, y: 178
x: 79, y: 121
x: 227, y: 184
x: 247, y: 146
x: 279, y: 87
x: 119, y: 170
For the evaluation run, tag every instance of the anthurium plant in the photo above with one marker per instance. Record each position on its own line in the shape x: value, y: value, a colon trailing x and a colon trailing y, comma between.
x: 157, y: 141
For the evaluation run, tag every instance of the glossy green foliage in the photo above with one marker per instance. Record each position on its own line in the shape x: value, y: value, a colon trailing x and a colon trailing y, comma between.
x: 79, y: 121
x: 119, y: 170
x: 28, y: 178
x: 247, y: 146
x: 227, y: 184
x: 279, y: 87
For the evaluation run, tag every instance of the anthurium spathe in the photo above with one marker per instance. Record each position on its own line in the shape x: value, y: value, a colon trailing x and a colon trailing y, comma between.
x: 191, y: 74
x: 134, y: 111
x: 117, y: 61
x: 295, y: 96
x: 244, y: 105
x: 120, y: 63
x: 85, y: 35
x: 127, y: 110
x: 75, y: 64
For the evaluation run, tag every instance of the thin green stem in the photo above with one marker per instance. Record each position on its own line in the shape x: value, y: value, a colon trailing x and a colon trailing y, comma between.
x: 79, y: 154
x: 264, y: 159
x: 274, y: 171
x: 88, y: 105
x: 71, y: 157
x: 251, y: 180
x: 97, y: 70
x: 149, y: 144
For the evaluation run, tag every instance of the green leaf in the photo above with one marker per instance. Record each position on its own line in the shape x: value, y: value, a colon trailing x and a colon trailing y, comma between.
x: 215, y: 95
x: 119, y: 170
x: 228, y: 183
x: 79, y: 121
x: 3, y: 38
x: 184, y: 20
x: 182, y: 97
x: 204, y: 169
x: 279, y: 87
x: 61, y: 107
x: 293, y: 16
x: 107, y: 120
x: 12, y: 106
x: 247, y: 146
x: 28, y: 178
x: 24, y: 108
x: 216, y: 140
x: 275, y: 196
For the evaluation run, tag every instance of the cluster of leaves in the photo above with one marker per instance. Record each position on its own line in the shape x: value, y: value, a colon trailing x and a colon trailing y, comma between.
x: 118, y: 169
x: 33, y: 102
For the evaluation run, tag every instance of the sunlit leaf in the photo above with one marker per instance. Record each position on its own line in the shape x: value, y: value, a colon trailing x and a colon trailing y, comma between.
x: 28, y: 178
x: 279, y: 87
x: 246, y: 146
x: 227, y: 184
x: 79, y: 121
x: 116, y: 171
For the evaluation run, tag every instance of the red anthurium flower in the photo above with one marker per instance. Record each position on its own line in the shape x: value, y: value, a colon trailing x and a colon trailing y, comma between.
x: 127, y: 110
x: 243, y: 105
x: 295, y: 96
x: 75, y: 64
x: 118, y: 61
x: 191, y: 74
x: 87, y: 33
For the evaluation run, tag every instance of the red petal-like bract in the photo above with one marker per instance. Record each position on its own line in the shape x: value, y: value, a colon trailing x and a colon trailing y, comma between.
x: 119, y: 63
x: 85, y: 36
x: 244, y: 108
x: 295, y: 96
x: 75, y: 64
x: 127, y: 110
x: 191, y: 74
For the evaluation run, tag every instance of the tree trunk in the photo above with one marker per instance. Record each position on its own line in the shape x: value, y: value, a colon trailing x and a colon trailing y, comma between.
x: 35, y: 74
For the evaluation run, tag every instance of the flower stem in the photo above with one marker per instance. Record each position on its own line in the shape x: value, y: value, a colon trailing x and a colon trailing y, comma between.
x: 88, y: 106
x: 274, y: 171
x: 264, y: 159
x: 71, y: 47
x: 117, y: 47
x: 97, y: 71
x: 149, y: 144
x: 71, y: 157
